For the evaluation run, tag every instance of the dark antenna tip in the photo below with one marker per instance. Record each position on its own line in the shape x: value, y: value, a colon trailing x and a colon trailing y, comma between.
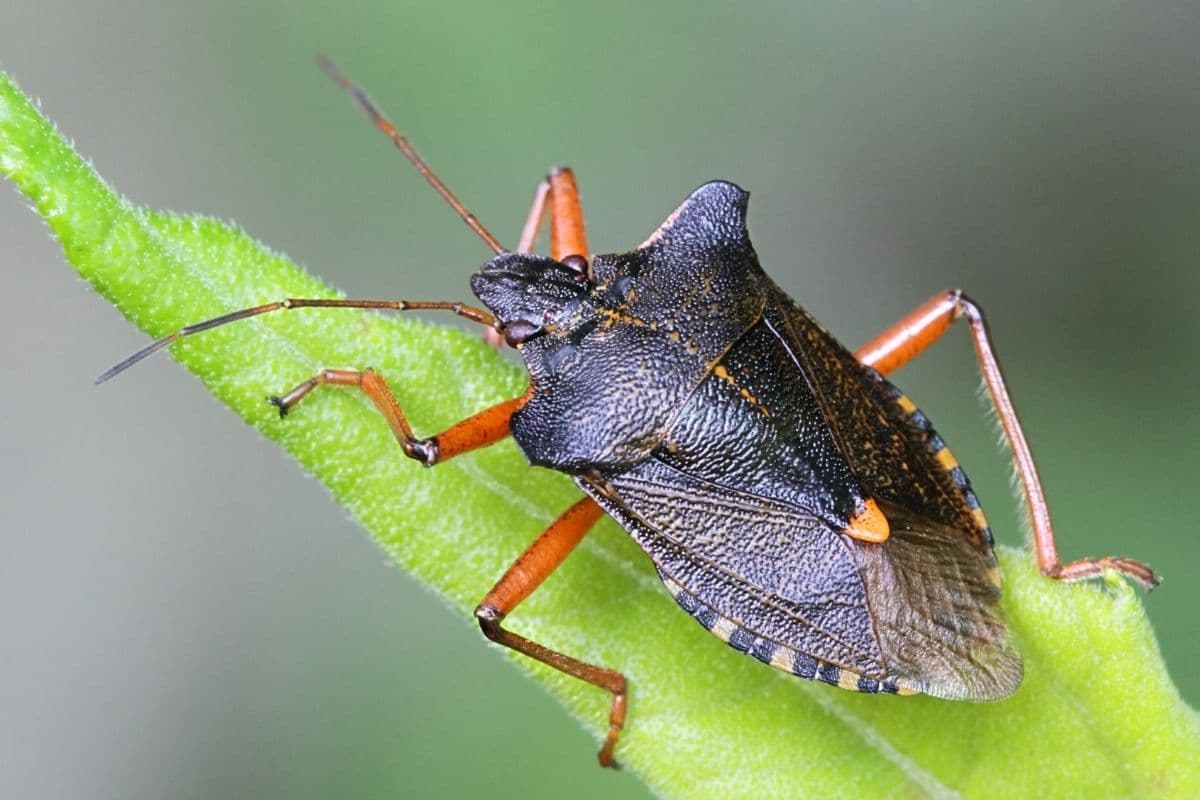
x: 329, y: 69
x: 145, y: 352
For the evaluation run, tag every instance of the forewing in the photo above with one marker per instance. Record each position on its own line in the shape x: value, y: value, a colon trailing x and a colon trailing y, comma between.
x: 934, y: 586
x: 778, y: 573
x: 890, y: 446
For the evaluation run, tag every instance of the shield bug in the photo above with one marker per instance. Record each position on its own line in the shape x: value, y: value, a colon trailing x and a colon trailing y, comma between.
x: 792, y: 499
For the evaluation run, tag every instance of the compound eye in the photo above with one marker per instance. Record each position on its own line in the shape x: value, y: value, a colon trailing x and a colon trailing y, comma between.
x: 520, y: 332
x: 577, y: 264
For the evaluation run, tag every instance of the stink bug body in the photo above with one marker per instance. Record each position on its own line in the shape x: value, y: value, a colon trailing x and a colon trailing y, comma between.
x: 793, y: 501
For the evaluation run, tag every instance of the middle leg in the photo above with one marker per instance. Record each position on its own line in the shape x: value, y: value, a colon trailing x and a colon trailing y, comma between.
x: 479, y: 430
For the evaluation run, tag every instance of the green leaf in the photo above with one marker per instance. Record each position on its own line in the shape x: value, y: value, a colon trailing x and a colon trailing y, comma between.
x: 1096, y: 716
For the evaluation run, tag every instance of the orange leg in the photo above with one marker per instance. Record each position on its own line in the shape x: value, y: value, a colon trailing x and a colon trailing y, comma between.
x: 567, y: 236
x: 522, y: 578
x: 558, y: 195
x: 533, y: 221
x: 484, y: 428
x: 906, y: 339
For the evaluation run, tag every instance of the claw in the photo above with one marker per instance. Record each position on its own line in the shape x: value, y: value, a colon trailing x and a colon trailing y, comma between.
x: 278, y: 403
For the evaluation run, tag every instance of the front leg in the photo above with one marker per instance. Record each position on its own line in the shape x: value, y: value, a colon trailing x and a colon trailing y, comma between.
x: 480, y: 430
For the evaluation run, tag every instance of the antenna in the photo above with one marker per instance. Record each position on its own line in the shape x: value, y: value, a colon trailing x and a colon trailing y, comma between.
x: 382, y: 123
x: 462, y: 310
x: 465, y: 311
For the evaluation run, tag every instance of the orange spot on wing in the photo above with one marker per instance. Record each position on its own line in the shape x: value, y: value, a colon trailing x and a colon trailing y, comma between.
x: 869, y: 524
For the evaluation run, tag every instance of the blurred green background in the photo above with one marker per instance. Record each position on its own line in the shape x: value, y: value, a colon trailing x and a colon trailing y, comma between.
x: 185, y: 615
